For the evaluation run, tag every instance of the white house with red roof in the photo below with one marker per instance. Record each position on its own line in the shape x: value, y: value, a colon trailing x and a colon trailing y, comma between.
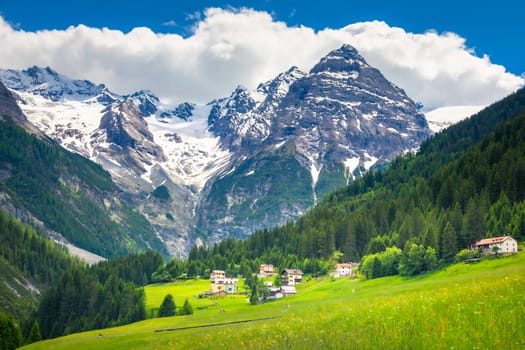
x: 504, y: 244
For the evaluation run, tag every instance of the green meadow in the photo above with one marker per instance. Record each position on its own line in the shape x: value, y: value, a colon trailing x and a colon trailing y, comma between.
x: 464, y: 306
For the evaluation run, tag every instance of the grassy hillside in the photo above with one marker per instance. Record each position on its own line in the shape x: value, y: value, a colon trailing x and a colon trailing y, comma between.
x: 463, y: 306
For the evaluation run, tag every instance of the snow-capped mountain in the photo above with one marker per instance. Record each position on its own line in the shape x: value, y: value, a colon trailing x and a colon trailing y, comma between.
x: 323, y: 128
x: 49, y: 84
x: 251, y: 160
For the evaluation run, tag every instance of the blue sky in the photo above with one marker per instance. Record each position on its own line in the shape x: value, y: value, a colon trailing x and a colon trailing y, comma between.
x: 208, y: 52
x: 492, y: 28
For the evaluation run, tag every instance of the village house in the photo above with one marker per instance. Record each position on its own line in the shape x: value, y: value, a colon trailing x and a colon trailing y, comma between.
x: 503, y: 244
x: 288, y: 290
x: 343, y: 270
x: 266, y: 270
x: 290, y: 277
x: 281, y: 292
x: 221, y: 285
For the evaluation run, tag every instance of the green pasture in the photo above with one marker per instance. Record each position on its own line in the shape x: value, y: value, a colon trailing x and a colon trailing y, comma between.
x: 464, y: 306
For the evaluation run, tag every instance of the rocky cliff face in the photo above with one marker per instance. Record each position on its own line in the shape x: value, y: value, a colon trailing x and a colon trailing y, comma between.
x: 123, y: 137
x: 9, y: 108
x: 251, y: 160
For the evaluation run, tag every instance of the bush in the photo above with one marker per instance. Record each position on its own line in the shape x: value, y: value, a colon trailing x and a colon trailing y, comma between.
x: 466, y: 254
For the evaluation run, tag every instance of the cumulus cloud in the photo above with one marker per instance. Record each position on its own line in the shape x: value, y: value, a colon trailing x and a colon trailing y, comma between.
x: 246, y: 47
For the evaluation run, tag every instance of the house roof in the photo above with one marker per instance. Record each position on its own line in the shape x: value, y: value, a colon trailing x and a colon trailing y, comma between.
x: 492, y: 240
x: 288, y: 289
x: 343, y: 265
x: 293, y: 272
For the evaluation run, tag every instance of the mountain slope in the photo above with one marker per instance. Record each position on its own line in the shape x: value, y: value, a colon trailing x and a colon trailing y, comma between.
x: 28, y: 264
x: 66, y: 195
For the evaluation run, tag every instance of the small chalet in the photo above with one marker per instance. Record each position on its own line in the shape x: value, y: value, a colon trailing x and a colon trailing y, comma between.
x: 221, y: 285
x: 290, y: 277
x: 266, y: 270
x: 504, y: 244
x: 343, y: 270
x: 288, y: 290
x: 281, y: 292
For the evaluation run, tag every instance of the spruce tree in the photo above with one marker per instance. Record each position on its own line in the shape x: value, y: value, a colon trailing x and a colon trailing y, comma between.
x: 167, y: 308
x: 10, y: 333
x: 34, y: 333
x: 187, y: 309
x: 448, y: 242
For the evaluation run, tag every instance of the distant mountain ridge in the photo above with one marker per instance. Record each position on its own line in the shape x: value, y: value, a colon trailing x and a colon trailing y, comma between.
x: 252, y: 160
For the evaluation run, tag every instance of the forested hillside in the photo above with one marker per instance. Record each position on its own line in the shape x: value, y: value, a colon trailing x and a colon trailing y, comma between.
x: 464, y: 184
x: 104, y: 295
x: 69, y: 194
x: 42, y: 285
x: 28, y: 264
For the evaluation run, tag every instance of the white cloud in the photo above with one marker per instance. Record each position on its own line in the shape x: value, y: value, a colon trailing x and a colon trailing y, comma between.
x: 231, y: 47
x: 170, y: 23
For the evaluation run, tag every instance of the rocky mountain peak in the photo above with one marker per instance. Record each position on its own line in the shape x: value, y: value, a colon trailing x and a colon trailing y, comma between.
x: 123, y: 124
x: 278, y: 87
x: 49, y: 84
x: 346, y: 59
x: 146, y: 101
x: 183, y: 111
x: 123, y: 138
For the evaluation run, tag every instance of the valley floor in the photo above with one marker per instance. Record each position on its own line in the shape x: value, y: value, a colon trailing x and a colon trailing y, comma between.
x: 464, y: 306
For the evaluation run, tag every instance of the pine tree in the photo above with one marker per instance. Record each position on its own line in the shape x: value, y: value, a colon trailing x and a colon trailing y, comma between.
x: 254, y: 296
x: 187, y: 309
x: 34, y: 334
x: 167, y: 308
x: 473, y: 222
x: 448, y: 242
x: 10, y: 333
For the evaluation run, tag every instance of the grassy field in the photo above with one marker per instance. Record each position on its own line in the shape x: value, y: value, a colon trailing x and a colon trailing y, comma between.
x: 465, y: 306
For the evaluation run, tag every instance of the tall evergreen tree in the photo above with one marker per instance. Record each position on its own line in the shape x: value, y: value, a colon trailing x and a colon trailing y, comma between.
x: 448, y: 242
x: 34, y: 333
x: 10, y: 333
x: 187, y: 308
x: 167, y: 308
x: 473, y: 222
